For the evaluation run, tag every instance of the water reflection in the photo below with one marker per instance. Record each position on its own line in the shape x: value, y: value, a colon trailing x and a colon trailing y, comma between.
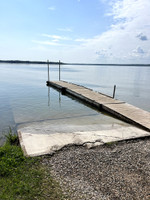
x: 48, y: 96
x: 25, y: 98
x: 133, y: 84
x: 60, y: 99
x: 49, y: 99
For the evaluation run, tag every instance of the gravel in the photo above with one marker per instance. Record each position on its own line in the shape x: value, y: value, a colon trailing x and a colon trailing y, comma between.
x: 118, y: 171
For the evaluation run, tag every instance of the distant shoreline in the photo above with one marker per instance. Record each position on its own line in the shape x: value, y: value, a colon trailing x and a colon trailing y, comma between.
x: 27, y: 62
x: 56, y: 63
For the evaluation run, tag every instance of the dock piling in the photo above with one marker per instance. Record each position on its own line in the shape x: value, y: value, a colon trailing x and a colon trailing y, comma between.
x: 114, y: 91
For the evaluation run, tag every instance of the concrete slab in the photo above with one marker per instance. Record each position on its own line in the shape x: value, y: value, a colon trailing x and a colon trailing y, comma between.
x: 40, y: 144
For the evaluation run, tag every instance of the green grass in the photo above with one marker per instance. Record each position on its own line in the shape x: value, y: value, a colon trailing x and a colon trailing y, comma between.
x: 24, y: 178
x: 11, y: 138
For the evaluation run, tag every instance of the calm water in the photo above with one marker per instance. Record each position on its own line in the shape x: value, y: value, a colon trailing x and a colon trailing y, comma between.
x: 25, y: 99
x: 133, y: 83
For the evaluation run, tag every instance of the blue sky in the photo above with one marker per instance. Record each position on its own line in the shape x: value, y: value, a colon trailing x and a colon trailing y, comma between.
x: 87, y: 31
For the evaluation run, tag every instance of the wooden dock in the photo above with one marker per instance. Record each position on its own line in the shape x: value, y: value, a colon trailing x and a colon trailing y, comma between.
x: 119, y: 109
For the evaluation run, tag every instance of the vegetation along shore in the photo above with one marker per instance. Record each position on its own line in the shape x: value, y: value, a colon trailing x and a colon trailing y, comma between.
x: 25, y: 178
x: 117, y: 171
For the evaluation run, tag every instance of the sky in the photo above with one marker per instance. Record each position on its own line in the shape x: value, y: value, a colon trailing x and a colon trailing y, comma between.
x: 83, y: 31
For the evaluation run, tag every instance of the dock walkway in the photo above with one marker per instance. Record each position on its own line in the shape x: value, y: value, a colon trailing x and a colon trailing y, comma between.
x: 120, y: 109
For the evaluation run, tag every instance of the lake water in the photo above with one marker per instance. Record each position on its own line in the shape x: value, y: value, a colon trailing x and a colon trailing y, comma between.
x: 25, y: 99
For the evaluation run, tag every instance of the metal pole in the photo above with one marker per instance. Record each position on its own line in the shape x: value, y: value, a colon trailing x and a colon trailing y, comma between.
x: 48, y: 69
x: 114, y: 91
x: 59, y: 70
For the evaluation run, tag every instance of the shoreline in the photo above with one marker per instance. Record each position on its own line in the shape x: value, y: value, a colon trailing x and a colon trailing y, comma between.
x: 63, y: 63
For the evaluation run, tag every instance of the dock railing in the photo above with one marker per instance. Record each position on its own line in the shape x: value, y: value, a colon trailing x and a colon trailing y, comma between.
x: 59, y: 77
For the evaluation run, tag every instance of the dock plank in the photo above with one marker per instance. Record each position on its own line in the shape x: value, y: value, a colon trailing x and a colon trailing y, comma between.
x: 117, y: 108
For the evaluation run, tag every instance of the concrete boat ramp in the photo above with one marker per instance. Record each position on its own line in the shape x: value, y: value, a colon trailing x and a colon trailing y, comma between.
x: 35, y: 143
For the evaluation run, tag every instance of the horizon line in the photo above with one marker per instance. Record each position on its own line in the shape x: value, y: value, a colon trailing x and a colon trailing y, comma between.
x: 64, y: 63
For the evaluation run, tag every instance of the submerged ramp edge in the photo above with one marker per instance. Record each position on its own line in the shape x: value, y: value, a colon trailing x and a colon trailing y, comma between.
x: 36, y: 143
x: 119, y: 109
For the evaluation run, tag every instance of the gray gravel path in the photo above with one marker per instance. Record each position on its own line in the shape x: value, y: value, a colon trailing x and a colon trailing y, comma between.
x: 118, y: 171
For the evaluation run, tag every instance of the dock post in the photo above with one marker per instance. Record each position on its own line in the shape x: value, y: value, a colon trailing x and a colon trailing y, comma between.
x: 114, y: 91
x: 59, y: 70
x: 48, y: 69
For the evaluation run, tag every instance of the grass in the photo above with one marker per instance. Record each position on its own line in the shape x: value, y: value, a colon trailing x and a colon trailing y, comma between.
x: 11, y: 138
x: 24, y: 178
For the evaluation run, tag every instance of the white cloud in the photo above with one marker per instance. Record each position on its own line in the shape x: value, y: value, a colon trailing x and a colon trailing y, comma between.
x: 65, y: 29
x: 56, y: 37
x: 83, y: 40
x: 54, y: 40
x: 126, y: 41
x: 51, y: 43
x: 119, y: 44
x: 52, y: 8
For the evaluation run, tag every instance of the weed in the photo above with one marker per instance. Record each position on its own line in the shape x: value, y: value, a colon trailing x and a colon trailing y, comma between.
x: 111, y: 144
x: 24, y: 178
x: 11, y: 138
